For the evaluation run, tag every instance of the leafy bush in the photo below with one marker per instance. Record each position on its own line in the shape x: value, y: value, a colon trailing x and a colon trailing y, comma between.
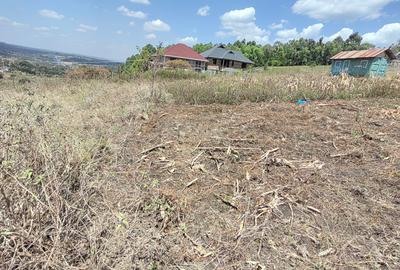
x: 179, y: 74
x: 139, y: 62
x: 178, y: 64
x: 86, y: 72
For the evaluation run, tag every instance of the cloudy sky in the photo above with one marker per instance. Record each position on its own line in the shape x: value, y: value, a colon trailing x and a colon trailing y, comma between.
x: 113, y: 29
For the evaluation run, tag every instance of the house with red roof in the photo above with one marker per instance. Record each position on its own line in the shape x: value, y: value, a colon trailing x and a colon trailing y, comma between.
x: 182, y: 52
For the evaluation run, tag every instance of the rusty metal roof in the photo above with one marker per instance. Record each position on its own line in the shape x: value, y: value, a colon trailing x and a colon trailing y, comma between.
x: 371, y: 53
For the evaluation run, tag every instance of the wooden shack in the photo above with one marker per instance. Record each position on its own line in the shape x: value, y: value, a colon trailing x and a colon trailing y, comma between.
x: 364, y: 63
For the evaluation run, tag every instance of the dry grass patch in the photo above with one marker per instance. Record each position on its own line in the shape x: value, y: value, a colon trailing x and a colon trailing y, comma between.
x: 62, y: 154
x: 91, y: 179
x: 260, y: 87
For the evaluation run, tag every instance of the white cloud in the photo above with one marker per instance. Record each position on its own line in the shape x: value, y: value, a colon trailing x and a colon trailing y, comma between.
x: 144, y: 2
x: 344, y: 33
x: 204, y: 11
x: 7, y: 21
x: 51, y: 14
x: 241, y: 25
x: 132, y: 23
x: 151, y: 36
x: 131, y: 13
x: 312, y: 32
x: 386, y: 36
x: 156, y: 26
x: 287, y: 34
x: 279, y: 25
x: 86, y: 28
x: 340, y: 9
x: 188, y: 40
x: 119, y: 32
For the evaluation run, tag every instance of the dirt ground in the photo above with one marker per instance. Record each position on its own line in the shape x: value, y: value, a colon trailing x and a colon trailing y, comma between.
x: 268, y: 186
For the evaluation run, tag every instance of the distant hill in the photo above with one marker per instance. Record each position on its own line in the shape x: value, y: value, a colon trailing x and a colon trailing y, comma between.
x: 16, y: 52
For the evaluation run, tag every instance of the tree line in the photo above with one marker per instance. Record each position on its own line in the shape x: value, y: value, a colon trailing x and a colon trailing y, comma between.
x: 297, y: 52
x: 300, y: 52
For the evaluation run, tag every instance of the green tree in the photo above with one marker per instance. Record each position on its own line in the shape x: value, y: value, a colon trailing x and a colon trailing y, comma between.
x: 139, y: 62
x: 202, y: 47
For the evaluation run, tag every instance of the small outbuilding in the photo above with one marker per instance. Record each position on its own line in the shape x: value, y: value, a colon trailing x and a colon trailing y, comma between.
x: 372, y: 62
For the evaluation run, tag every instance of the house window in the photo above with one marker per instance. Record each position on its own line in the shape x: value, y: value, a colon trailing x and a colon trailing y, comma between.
x: 198, y: 64
x: 244, y: 65
x: 214, y: 61
x: 364, y: 63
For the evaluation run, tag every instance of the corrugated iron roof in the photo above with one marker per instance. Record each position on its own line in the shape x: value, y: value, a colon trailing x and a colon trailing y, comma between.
x: 183, y: 52
x: 220, y: 52
x: 371, y: 53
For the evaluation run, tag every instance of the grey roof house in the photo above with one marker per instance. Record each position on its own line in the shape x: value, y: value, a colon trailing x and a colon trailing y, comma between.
x: 221, y: 58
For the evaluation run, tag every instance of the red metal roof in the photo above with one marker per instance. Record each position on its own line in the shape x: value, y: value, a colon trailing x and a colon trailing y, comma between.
x: 371, y: 53
x: 183, y: 52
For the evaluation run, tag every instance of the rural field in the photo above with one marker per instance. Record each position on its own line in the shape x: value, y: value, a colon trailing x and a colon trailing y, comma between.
x: 189, y: 172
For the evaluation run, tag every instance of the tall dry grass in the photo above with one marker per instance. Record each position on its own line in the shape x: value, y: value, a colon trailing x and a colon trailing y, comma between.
x: 259, y: 87
x: 62, y: 146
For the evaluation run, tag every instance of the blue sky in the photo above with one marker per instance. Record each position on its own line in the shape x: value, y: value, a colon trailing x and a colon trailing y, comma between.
x: 113, y: 29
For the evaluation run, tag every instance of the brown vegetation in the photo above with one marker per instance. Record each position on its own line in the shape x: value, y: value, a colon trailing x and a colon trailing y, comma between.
x: 280, y: 87
x: 86, y: 72
x: 178, y: 64
x: 93, y: 176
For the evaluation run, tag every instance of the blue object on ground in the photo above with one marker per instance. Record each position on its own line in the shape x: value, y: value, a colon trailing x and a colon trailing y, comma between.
x: 302, y: 102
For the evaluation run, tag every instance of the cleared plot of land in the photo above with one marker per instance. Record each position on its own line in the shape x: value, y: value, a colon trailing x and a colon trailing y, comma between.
x: 94, y: 176
x: 270, y: 185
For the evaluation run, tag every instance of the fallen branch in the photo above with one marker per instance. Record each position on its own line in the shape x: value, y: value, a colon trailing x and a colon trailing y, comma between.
x: 226, y: 148
x: 313, y: 209
x: 235, y: 139
x: 326, y: 252
x: 265, y: 156
x: 282, y: 162
x: 353, y: 153
x: 155, y: 148
x: 203, y: 252
x: 191, y: 183
x: 194, y: 160
x: 227, y: 202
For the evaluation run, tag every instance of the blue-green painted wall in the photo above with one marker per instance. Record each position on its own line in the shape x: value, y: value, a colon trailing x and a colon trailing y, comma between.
x: 360, y: 67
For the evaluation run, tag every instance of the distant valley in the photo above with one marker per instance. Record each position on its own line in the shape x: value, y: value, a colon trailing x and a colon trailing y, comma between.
x: 19, y: 53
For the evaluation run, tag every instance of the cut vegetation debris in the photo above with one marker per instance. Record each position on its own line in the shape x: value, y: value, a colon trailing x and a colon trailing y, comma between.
x: 88, y: 183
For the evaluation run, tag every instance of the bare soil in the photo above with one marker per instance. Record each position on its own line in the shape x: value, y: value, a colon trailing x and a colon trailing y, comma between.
x: 265, y: 186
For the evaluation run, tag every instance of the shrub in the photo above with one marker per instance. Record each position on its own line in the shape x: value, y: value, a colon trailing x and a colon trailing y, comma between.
x: 24, y: 81
x: 178, y: 64
x: 1, y: 76
x: 179, y: 74
x: 85, y: 72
